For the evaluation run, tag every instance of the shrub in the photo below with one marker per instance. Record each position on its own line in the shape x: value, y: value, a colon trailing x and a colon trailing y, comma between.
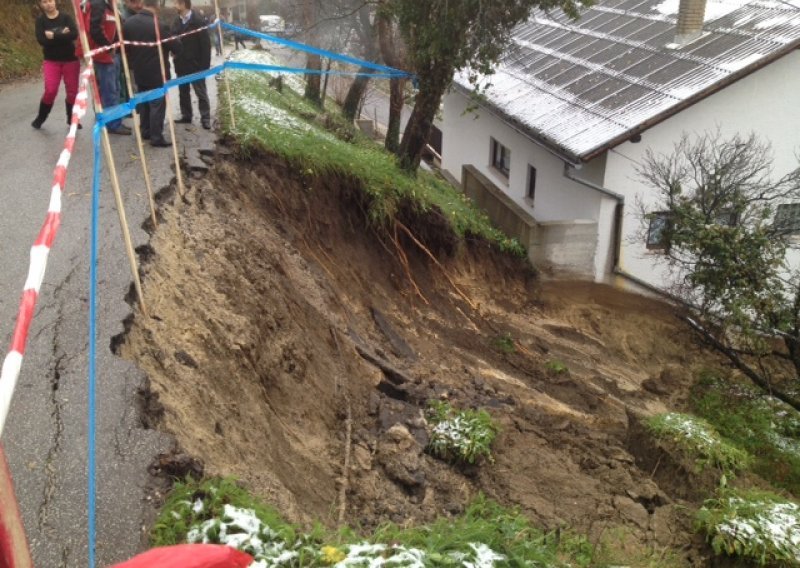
x: 756, y: 525
x: 700, y: 439
x: 765, y: 427
x: 460, y: 435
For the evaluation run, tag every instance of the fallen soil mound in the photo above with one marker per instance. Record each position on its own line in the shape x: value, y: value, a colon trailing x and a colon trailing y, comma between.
x: 290, y: 337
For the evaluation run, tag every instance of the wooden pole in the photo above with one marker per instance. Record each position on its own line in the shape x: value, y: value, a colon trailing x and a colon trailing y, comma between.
x: 123, y: 222
x: 136, y: 125
x: 170, y: 119
x: 225, y: 74
x: 14, y: 552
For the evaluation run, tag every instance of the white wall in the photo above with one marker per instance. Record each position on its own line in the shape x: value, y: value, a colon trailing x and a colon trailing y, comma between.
x: 765, y: 103
x: 466, y: 140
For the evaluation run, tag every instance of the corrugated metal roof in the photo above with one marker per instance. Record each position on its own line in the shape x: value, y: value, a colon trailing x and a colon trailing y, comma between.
x: 586, y: 85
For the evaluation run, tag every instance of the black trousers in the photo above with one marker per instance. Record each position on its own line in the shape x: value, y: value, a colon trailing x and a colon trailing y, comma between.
x: 201, y: 92
x: 151, y: 116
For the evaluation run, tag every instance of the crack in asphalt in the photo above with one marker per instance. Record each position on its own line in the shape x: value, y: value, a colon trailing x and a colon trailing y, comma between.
x: 61, y: 360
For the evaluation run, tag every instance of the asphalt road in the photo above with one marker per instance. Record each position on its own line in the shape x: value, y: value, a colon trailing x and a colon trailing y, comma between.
x: 45, y: 438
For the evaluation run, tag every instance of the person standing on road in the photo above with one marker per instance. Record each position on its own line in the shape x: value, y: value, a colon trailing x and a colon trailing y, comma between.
x: 195, y: 56
x: 127, y: 9
x: 56, y: 32
x: 238, y: 37
x: 146, y: 68
x: 215, y: 33
x: 98, y: 19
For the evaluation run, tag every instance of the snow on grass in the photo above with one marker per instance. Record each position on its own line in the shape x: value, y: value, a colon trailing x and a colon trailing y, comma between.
x: 262, y: 110
x: 242, y: 529
x: 761, y: 526
x: 699, y: 438
x: 460, y: 435
x: 265, y: 57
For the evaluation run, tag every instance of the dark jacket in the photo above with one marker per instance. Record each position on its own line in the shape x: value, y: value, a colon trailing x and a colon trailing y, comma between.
x: 98, y: 19
x: 196, y: 53
x: 144, y: 59
x: 62, y: 46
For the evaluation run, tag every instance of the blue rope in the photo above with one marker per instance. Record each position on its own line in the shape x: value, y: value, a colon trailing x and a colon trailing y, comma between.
x: 93, y: 343
x: 315, y: 50
x: 126, y: 108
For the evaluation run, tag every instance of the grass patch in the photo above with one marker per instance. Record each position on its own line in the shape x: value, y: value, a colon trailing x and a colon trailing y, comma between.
x: 326, y: 144
x: 765, y: 427
x: 699, y: 439
x: 504, y: 343
x: 556, y: 367
x: 486, y: 535
x: 759, y: 526
x: 464, y: 436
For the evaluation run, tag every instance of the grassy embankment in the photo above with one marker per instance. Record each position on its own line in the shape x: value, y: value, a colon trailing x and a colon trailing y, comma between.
x: 320, y: 144
x: 20, y: 55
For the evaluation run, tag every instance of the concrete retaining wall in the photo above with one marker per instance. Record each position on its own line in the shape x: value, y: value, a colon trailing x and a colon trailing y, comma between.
x: 566, y: 248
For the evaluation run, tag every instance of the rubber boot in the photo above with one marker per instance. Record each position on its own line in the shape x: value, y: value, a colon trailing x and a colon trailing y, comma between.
x: 44, y: 112
x: 69, y: 114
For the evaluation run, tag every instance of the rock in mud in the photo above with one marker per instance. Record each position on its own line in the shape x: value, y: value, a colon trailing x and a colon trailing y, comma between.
x: 401, y: 457
x: 177, y: 465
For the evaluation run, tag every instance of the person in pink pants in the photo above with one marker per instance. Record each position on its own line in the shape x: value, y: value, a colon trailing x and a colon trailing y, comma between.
x: 56, y: 32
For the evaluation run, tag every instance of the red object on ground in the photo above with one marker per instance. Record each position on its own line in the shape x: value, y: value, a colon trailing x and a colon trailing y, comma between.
x: 190, y: 556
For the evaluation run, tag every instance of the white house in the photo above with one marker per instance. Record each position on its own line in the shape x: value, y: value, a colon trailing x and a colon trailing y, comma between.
x: 550, y: 148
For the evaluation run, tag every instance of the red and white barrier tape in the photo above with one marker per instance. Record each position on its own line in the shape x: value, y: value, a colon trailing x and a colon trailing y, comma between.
x: 39, y: 253
x: 148, y: 43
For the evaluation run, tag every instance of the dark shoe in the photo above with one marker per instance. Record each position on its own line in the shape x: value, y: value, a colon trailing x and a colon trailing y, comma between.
x: 206, y: 122
x: 44, y: 112
x: 69, y: 115
x: 184, y: 120
x: 121, y: 130
x: 160, y: 143
x: 145, y: 135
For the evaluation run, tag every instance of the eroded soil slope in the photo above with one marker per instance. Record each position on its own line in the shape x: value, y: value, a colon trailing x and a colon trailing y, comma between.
x: 278, y: 312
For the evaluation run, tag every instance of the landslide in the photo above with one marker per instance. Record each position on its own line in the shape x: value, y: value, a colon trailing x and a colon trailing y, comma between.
x: 290, y: 335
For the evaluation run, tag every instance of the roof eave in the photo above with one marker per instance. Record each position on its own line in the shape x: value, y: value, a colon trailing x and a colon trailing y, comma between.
x: 533, y: 135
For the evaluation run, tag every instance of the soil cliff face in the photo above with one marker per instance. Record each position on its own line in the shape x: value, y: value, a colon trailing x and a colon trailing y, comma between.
x: 289, y: 336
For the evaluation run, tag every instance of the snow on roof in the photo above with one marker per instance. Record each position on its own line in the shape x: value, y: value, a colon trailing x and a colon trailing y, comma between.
x: 584, y: 86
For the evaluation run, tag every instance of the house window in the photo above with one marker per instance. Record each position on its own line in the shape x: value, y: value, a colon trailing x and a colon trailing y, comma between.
x: 501, y: 158
x: 787, y: 218
x: 657, y: 238
x: 530, y: 191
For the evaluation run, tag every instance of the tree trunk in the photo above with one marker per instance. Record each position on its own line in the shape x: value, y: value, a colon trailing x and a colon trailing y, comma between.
x: 313, y: 62
x: 313, y: 83
x: 354, y: 95
x: 325, y: 84
x: 392, y: 143
x: 419, y: 125
x: 390, y: 55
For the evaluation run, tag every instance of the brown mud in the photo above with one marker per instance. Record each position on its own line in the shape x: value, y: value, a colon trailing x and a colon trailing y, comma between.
x: 282, y: 319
